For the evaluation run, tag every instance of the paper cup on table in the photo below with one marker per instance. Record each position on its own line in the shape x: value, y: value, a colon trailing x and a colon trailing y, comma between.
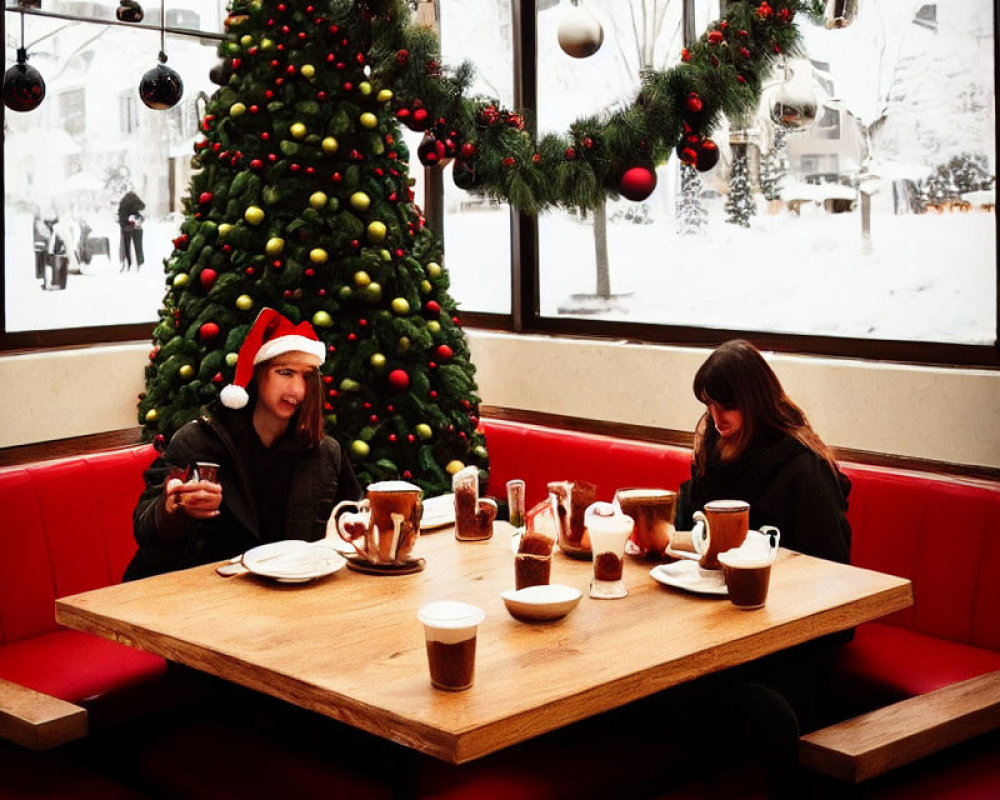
x: 450, y: 630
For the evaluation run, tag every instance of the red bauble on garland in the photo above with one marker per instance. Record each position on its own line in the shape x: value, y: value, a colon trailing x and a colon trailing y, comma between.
x: 637, y: 183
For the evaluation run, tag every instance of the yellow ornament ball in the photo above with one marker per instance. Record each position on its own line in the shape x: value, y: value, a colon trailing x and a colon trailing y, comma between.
x: 377, y: 361
x: 318, y: 255
x: 254, y: 215
x: 403, y: 344
x: 151, y: 415
x: 244, y: 302
x: 376, y: 232
x: 373, y: 292
x: 454, y: 466
x: 186, y: 372
x: 246, y: 40
x: 360, y: 449
x: 365, y: 88
x: 181, y: 280
x: 274, y: 246
x: 424, y: 430
x: 400, y: 306
x: 425, y: 287
x: 298, y: 130
x: 231, y: 359
x: 360, y: 201
x: 317, y: 200
x: 266, y: 44
x: 434, y: 269
x: 362, y: 278
x: 384, y: 96
x: 368, y: 120
x: 329, y: 145
x: 237, y: 109
x: 308, y: 71
x: 434, y: 326
x: 322, y: 319
x: 224, y: 228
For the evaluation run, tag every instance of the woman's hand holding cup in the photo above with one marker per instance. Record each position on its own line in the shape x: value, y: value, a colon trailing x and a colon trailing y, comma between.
x: 199, y: 499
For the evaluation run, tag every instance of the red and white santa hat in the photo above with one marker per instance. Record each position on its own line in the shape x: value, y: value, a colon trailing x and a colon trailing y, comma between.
x: 272, y: 334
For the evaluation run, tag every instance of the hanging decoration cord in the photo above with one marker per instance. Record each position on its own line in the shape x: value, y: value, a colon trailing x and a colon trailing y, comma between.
x: 163, y: 31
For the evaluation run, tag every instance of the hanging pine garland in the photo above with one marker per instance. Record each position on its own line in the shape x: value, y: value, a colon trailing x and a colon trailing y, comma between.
x: 674, y: 113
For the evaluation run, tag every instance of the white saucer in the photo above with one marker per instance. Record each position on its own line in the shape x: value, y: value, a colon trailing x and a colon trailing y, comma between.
x: 687, y: 575
x: 438, y: 512
x: 548, y: 602
x: 294, y: 560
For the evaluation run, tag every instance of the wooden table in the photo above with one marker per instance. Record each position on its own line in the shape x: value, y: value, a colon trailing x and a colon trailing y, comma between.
x: 350, y: 646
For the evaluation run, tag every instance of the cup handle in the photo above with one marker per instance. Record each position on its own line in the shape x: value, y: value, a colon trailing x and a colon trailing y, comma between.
x: 700, y: 533
x: 351, y: 511
x: 774, y: 537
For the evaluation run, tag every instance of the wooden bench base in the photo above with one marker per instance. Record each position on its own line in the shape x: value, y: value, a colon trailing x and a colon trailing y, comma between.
x: 38, y: 721
x: 874, y: 743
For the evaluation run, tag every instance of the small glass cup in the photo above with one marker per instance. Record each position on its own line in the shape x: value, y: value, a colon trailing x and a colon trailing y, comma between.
x: 450, y: 631
x: 609, y: 530
x: 515, y: 502
x: 474, y: 515
x: 205, y: 471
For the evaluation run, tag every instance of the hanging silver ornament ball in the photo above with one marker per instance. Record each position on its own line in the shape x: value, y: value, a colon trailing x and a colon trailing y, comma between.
x: 23, y: 88
x: 840, y: 13
x: 580, y: 34
x: 161, y: 87
x: 792, y: 105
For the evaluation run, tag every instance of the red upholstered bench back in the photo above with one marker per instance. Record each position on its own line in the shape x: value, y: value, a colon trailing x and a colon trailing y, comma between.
x: 943, y: 534
x: 65, y: 527
x: 539, y: 454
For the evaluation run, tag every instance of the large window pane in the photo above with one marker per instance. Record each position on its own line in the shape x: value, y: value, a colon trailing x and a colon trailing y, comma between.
x: 69, y: 164
x: 476, y: 231
x: 905, y: 138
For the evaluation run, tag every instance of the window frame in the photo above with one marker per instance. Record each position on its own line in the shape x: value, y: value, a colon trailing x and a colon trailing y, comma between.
x: 525, y: 316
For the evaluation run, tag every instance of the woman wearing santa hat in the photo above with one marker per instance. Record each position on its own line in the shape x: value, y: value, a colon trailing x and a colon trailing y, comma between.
x: 278, y: 477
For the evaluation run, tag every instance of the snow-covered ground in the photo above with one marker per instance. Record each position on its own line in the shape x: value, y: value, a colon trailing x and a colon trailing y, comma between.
x: 929, y: 277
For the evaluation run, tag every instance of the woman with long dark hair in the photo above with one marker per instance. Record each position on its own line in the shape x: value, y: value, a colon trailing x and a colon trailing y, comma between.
x: 279, y: 475
x: 754, y: 443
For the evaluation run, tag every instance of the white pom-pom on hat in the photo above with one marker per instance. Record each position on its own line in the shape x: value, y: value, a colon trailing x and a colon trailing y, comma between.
x: 271, y: 335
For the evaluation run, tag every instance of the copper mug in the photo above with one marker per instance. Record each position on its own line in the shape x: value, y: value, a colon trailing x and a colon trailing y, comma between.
x: 382, y: 528
x: 722, y: 526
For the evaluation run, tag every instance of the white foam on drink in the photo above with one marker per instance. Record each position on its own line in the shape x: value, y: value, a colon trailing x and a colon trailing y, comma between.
x: 449, y: 622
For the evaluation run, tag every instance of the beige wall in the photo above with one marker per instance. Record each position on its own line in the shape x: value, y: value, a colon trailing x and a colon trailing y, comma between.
x: 948, y: 415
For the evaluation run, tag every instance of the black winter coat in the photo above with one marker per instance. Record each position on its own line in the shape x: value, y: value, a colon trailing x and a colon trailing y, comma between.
x: 321, y: 476
x: 787, y: 485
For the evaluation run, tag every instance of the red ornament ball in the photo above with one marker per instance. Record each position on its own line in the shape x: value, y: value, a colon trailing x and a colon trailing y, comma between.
x: 207, y: 278
x: 205, y: 198
x: 637, y: 183
x: 208, y: 332
x: 399, y: 380
x: 444, y: 352
x: 694, y: 103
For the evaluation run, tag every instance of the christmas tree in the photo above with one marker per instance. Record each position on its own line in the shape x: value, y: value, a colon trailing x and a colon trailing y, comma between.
x: 774, y: 166
x: 691, y: 214
x: 740, y: 205
x: 303, y: 204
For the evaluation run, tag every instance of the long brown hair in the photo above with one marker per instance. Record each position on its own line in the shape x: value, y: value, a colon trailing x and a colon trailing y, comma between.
x: 308, y: 419
x: 736, y: 376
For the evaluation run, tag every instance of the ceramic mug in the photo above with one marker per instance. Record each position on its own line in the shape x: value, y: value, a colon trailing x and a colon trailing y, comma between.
x: 722, y: 526
x: 386, y: 522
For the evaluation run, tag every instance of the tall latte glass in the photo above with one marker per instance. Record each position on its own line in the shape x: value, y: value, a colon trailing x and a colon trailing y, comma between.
x: 450, y: 633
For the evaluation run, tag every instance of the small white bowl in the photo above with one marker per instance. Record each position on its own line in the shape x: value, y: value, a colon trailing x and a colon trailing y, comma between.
x: 552, y: 601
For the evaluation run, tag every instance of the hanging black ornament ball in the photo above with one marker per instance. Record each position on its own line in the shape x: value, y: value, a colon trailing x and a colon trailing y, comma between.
x: 129, y: 11
x: 161, y: 87
x: 23, y: 87
x: 219, y: 74
x: 708, y: 156
x: 464, y: 174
